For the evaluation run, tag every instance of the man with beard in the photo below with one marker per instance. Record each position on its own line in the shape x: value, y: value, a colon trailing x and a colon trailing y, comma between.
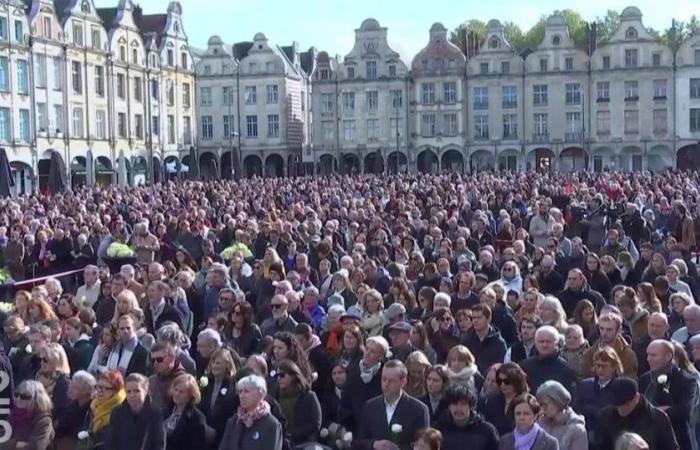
x: 280, y: 320
x: 549, y: 279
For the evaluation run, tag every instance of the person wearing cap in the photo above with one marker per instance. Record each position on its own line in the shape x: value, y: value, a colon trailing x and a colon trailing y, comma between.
x: 400, y: 334
x: 395, y: 313
x: 671, y: 389
x: 559, y: 419
x: 632, y: 412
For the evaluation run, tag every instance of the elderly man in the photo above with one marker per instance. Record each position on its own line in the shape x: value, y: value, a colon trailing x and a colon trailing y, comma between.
x: 549, y: 278
x: 610, y: 327
x: 89, y: 292
x: 159, y: 311
x: 129, y: 274
x: 564, y: 242
x: 166, y: 368
x: 657, y: 328
x: 541, y: 225
x: 547, y: 364
x: 691, y: 317
x: 577, y: 289
x: 672, y: 390
x: 80, y: 391
x: 280, y: 320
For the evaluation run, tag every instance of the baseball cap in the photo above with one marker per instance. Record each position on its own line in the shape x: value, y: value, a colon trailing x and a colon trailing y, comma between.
x: 401, y: 326
x: 623, y: 390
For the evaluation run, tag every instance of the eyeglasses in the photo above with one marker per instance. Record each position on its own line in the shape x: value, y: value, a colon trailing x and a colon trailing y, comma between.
x: 507, y: 269
x: 446, y: 319
x: 237, y: 313
x: 277, y: 305
x: 504, y: 381
x: 23, y: 396
x: 102, y: 388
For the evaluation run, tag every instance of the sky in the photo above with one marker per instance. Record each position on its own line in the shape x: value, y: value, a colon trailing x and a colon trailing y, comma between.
x: 329, y: 25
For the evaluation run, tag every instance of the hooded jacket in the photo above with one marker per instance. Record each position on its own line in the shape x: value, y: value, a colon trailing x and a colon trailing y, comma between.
x: 476, y: 434
x: 623, y: 350
x: 568, y: 428
x: 487, y: 352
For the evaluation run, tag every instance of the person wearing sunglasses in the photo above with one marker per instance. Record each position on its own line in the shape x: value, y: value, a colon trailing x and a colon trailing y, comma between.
x: 246, y: 337
x: 280, y: 320
x: 30, y: 418
x: 53, y: 374
x: 166, y: 368
x: 298, y: 402
x: 512, y: 382
x: 109, y: 393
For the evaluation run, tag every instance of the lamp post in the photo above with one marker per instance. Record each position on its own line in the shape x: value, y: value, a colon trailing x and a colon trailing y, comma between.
x: 231, y: 135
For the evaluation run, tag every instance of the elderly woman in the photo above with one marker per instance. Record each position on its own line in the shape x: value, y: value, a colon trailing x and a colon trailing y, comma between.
x: 331, y: 338
x: 54, y: 374
x: 218, y: 392
x: 185, y: 426
x: 30, y: 419
x: 109, y: 393
x: 558, y: 419
x: 527, y: 433
x: 68, y: 425
x: 252, y: 427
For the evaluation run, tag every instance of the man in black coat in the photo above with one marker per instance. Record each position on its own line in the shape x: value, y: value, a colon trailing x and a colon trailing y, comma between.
x: 483, y: 340
x: 633, y: 413
x: 672, y: 390
x: 159, y: 311
x: 577, y: 289
x: 394, y: 417
x: 128, y: 355
x: 657, y: 328
x: 549, y: 279
x: 463, y: 427
x: 136, y: 424
x: 548, y: 365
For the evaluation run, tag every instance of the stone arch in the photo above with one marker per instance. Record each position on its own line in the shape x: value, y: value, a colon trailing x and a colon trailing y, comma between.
x: 481, y: 160
x: 24, y: 177
x: 452, y: 160
x: 78, y: 171
x: 274, y: 166
x: 252, y: 166
x: 208, y: 166
x: 573, y: 159
x: 139, y: 171
x: 509, y: 159
x: 44, y: 166
x: 157, y: 170
x: 427, y: 161
x: 349, y: 164
x: 541, y: 159
x: 397, y: 162
x: 327, y: 164
x: 104, y: 172
x: 688, y: 157
x: 374, y: 163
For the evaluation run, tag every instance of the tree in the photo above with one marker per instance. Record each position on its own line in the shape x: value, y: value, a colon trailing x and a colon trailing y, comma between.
x: 475, y: 26
x: 606, y: 26
x: 577, y: 28
x: 514, y: 35
x: 675, y: 36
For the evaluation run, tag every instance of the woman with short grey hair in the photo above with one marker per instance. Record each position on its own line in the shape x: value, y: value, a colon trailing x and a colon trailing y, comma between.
x: 252, y: 427
x: 558, y: 419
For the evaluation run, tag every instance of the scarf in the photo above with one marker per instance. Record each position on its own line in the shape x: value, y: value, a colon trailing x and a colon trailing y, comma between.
x: 48, y: 381
x: 20, y: 418
x: 464, y: 376
x: 102, y: 408
x: 250, y: 417
x: 367, y: 373
x: 332, y: 339
x: 525, y: 441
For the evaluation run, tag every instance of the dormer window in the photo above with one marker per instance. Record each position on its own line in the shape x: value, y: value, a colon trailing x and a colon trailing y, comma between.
x: 556, y: 40
x: 494, y: 42
x: 631, y: 34
x: 176, y: 27
x: 85, y: 8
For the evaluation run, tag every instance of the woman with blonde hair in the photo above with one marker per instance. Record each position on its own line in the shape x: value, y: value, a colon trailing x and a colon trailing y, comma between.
x: 185, y: 426
x: 39, y: 310
x: 373, y: 315
x: 53, y: 374
x: 417, y: 365
x: 218, y: 388
x: 126, y: 301
x: 30, y: 419
x: 552, y: 313
x: 461, y: 367
x: 22, y: 299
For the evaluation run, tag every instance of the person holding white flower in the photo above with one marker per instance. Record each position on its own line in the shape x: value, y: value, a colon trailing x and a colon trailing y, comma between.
x: 217, y: 385
x: 391, y: 420
x: 80, y: 391
x: 30, y: 419
x: 671, y: 389
x: 185, y: 425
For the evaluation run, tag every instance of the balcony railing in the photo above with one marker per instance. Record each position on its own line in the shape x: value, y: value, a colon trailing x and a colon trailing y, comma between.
x: 481, y: 105
x: 540, y: 137
x: 509, y: 104
x: 573, y: 136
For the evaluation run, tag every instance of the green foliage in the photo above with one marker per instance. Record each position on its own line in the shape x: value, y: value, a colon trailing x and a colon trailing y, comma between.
x: 457, y: 36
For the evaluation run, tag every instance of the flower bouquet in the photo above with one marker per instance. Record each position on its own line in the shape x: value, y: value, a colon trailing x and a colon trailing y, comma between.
x: 336, y: 437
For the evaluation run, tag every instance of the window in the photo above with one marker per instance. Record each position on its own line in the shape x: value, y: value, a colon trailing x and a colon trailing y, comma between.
x: 660, y: 121
x: 631, y: 57
x: 138, y: 88
x: 252, y: 126
x: 606, y: 62
x: 24, y: 126
x: 95, y: 38
x: 46, y: 32
x: 171, y: 58
x: 273, y: 125
x: 510, y: 126
x: 396, y: 98
x: 348, y: 102
x: 603, y: 123
x: 42, y: 116
x: 573, y: 94
x: 427, y: 126
x: 122, y: 53
x: 603, y: 91
x: 100, y: 124
x: 697, y: 56
x: 631, y: 91
x: 22, y: 76
x: 272, y: 94
x: 481, y: 98
x: 505, y: 66
x: 57, y: 73
x: 660, y: 89
x: 227, y: 94
x: 392, y: 70
x: 695, y: 88
x: 573, y: 124
x: 324, y: 74
x: 631, y: 121
x: 656, y: 59
x: 450, y: 92
x: 326, y: 103
x: 77, y: 33
x: 205, y: 96
x: 3, y: 28
x: 694, y: 120
x: 631, y: 34
x: 154, y: 89
x: 394, y: 124
x: 155, y: 125
x: 76, y: 77
x: 371, y: 69
x: 484, y: 68
x: 171, y: 129
x: 138, y: 125
x: 481, y: 125
x: 539, y: 94
x: 207, y: 128
x: 349, y: 130
x: 328, y: 132
x: 372, y: 130
x: 183, y: 60
x: 121, y: 125
x: 510, y: 96
x: 450, y: 125
x: 541, y: 128
x: 170, y: 91
x: 351, y: 72
x: 5, y: 125
x: 121, y: 86
x: 77, y: 122
x: 58, y: 118
x: 569, y: 62
x: 428, y: 90
x: 100, y: 81
x: 19, y: 32
x: 134, y: 56
x: 4, y: 75
x: 186, y: 95
x: 372, y: 100
x: 544, y: 62
x: 251, y: 95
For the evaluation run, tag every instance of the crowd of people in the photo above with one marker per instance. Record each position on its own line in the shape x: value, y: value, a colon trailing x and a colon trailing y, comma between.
x: 435, y: 312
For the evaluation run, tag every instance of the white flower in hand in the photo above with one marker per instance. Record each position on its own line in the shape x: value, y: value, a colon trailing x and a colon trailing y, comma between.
x: 333, y: 428
x: 204, y: 381
x: 323, y: 433
x: 347, y: 437
x: 224, y: 391
x: 338, y: 443
x: 396, y: 428
x: 83, y: 435
x: 28, y: 348
x: 662, y: 379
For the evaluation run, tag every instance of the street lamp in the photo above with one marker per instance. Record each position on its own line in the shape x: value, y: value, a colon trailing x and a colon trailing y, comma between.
x: 231, y: 135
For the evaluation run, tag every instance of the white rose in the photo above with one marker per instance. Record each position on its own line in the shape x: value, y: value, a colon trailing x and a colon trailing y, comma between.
x: 314, y: 376
x: 204, y: 381
x: 323, y: 433
x: 333, y: 428
x: 83, y: 435
x: 224, y: 391
x: 28, y: 348
x: 347, y: 437
x: 338, y: 443
x: 273, y: 374
x: 662, y: 379
x: 396, y: 428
